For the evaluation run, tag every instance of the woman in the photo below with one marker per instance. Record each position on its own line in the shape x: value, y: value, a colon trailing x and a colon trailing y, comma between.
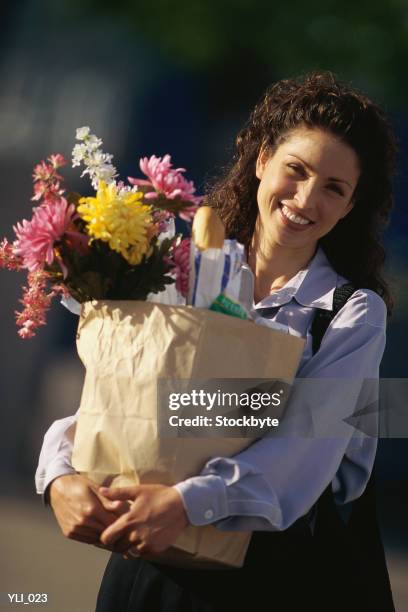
x: 307, y: 193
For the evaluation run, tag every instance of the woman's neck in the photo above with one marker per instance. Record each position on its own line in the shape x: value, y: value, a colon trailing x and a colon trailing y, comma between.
x: 273, y: 265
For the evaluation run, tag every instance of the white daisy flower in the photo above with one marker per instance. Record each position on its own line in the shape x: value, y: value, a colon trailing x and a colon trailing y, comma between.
x: 97, y: 163
x: 82, y: 132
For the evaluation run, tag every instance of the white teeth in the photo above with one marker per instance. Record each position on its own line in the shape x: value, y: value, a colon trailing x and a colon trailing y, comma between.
x: 294, y: 218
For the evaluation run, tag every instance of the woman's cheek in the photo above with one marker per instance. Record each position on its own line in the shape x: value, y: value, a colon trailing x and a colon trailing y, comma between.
x: 262, y: 197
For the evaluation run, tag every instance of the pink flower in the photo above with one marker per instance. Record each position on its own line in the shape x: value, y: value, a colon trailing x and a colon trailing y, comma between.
x: 188, y: 213
x: 161, y: 219
x: 45, y: 172
x: 57, y: 160
x: 8, y: 258
x: 165, y: 179
x: 180, y: 262
x: 46, y: 178
x: 36, y: 302
x: 36, y: 238
x: 47, y: 191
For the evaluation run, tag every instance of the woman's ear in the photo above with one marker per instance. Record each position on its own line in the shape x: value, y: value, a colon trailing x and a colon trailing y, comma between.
x: 263, y: 157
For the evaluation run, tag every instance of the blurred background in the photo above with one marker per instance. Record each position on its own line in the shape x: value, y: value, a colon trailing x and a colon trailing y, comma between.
x: 177, y: 77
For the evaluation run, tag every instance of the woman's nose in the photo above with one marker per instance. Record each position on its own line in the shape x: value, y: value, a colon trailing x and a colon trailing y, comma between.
x: 306, y: 195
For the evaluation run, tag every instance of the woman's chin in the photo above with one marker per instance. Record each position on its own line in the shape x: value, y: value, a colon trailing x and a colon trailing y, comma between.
x: 296, y: 241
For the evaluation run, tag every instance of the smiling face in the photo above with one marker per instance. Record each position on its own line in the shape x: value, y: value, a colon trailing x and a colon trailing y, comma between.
x: 306, y: 187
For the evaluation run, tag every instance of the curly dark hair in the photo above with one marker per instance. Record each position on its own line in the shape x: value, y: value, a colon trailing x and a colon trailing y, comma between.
x: 320, y: 100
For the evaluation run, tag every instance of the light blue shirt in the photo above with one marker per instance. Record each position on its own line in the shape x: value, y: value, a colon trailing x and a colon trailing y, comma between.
x: 276, y: 480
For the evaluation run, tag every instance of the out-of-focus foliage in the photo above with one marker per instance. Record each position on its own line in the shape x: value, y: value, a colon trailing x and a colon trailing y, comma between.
x: 365, y: 39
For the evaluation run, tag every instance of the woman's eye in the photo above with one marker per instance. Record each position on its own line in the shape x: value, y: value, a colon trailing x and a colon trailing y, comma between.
x: 336, y: 189
x: 296, y: 168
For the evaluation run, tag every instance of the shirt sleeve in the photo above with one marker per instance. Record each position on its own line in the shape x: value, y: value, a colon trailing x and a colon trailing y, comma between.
x: 56, y: 451
x: 275, y: 481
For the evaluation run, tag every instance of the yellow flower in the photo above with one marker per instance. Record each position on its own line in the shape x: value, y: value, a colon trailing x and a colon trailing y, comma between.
x: 119, y: 218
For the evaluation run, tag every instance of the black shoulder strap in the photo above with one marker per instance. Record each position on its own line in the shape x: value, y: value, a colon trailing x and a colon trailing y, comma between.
x: 322, y: 318
x: 319, y: 327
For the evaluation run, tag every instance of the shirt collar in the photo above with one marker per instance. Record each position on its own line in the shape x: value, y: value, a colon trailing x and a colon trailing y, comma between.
x: 314, y: 286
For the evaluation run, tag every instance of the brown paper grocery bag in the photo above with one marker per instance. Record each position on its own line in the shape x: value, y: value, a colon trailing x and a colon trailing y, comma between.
x: 126, y: 347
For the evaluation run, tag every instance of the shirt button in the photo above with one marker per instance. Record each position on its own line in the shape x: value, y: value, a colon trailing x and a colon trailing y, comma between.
x: 208, y: 514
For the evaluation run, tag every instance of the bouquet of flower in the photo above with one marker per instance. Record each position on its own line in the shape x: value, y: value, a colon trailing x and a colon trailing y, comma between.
x: 117, y: 244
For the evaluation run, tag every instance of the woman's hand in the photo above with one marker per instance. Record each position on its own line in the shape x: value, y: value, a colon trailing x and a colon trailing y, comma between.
x: 81, y: 511
x: 153, y: 522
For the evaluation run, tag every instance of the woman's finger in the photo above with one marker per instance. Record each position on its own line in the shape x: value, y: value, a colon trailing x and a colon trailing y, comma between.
x: 115, y: 531
x: 123, y: 545
x: 134, y: 537
x: 99, y: 518
x: 119, y: 493
x: 134, y: 547
x: 116, y: 506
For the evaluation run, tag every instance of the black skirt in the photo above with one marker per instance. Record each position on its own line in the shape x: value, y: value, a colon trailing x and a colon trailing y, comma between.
x: 340, y: 568
x: 139, y: 585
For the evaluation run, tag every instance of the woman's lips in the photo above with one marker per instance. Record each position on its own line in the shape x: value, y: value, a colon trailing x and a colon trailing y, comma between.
x: 291, y: 224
